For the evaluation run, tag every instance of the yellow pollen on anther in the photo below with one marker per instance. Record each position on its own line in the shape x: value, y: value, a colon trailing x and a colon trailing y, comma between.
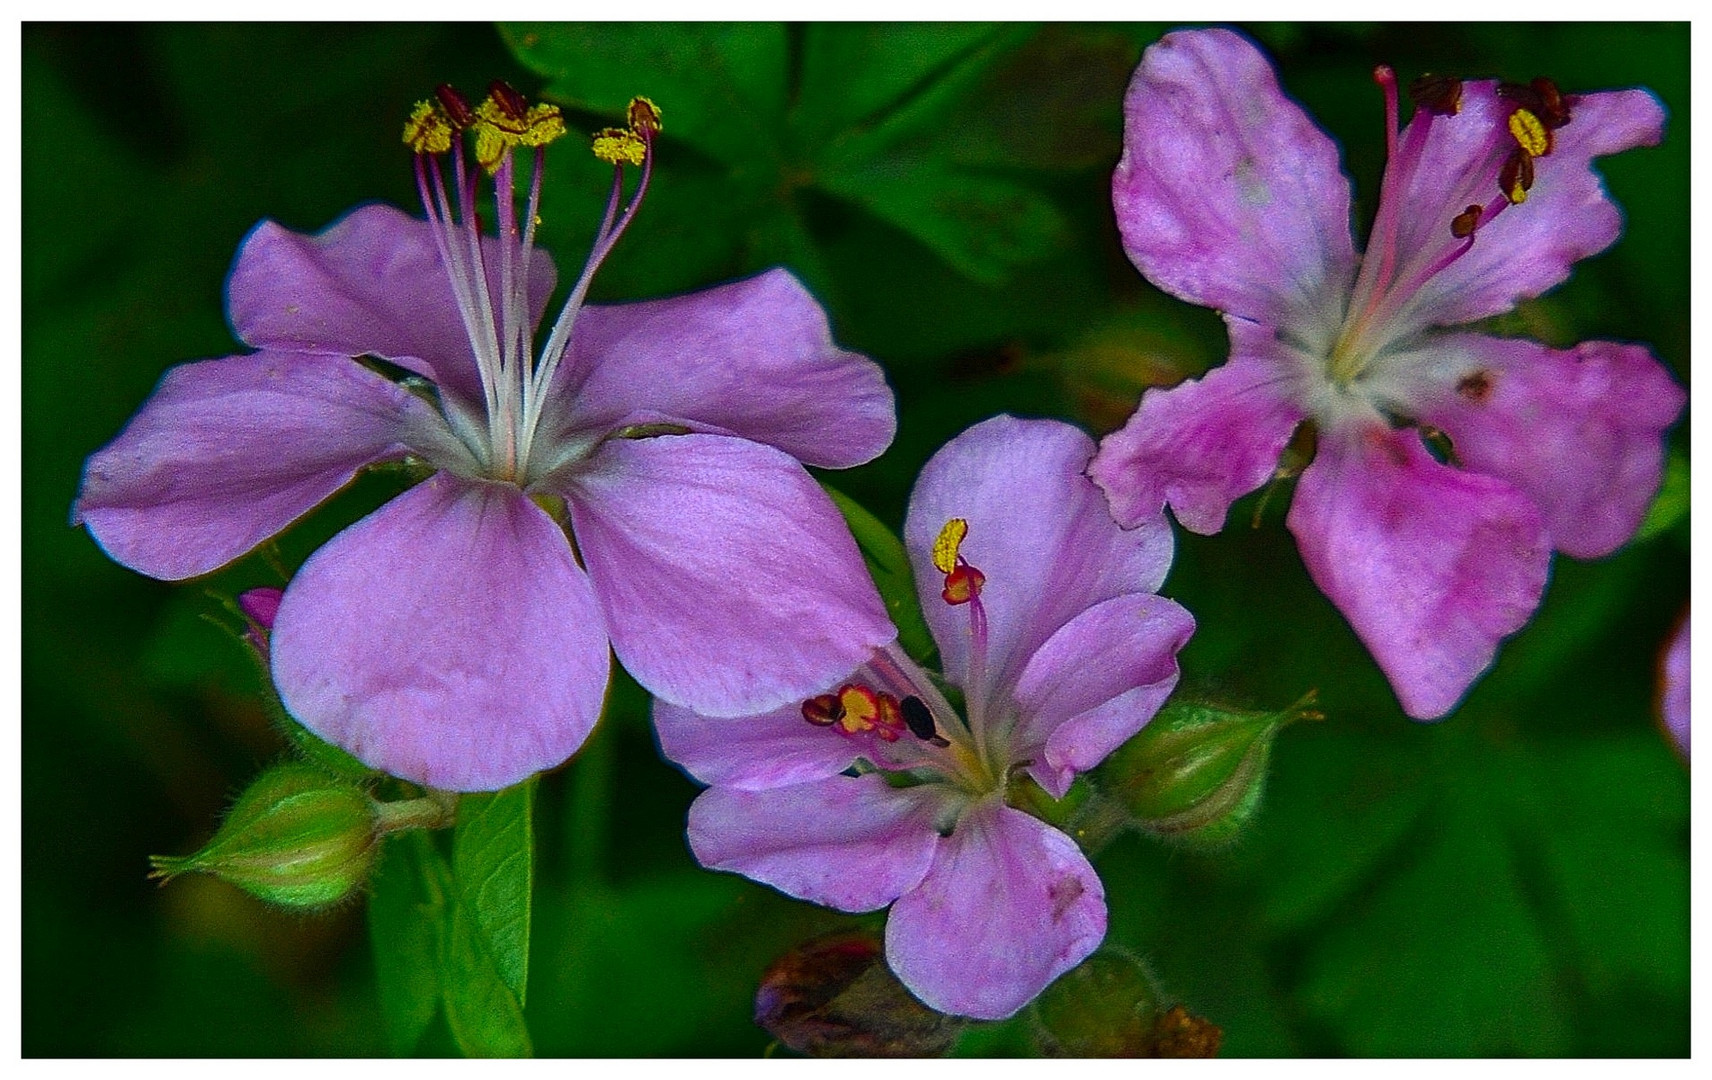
x: 427, y: 131
x: 499, y: 129
x: 618, y: 146
x: 1530, y: 134
x: 543, y: 124
x: 949, y: 543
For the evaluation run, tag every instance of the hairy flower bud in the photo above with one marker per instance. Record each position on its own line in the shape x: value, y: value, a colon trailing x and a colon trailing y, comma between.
x: 1197, y: 772
x: 297, y: 837
x: 1105, y: 1007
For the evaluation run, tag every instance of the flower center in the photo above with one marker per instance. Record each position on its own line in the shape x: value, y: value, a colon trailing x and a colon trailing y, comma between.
x: 911, y: 703
x: 1391, y: 277
x: 491, y: 281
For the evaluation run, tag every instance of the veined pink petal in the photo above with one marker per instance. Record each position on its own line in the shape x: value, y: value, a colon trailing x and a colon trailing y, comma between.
x: 729, y: 580
x: 1529, y: 247
x: 850, y: 842
x: 448, y: 638
x: 770, y: 749
x: 1431, y: 565
x: 371, y: 283
x: 1095, y: 683
x: 1227, y: 194
x: 228, y: 452
x: 1580, y: 432
x: 1201, y: 444
x: 1039, y: 530
x: 753, y: 358
x: 1009, y: 905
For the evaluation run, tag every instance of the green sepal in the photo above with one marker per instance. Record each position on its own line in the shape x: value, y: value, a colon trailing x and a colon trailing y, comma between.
x: 296, y: 837
x: 1197, y: 773
x: 1104, y: 1007
x: 889, y: 566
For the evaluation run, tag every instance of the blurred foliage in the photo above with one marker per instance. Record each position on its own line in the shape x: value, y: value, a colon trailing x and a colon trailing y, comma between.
x: 1513, y: 880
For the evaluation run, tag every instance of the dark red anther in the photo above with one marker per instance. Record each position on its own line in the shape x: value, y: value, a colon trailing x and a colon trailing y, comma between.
x: 1440, y: 95
x: 823, y: 711
x: 919, y: 719
x: 514, y: 104
x: 1553, y: 110
x: 458, y: 110
x: 1462, y: 226
x: 1517, y: 175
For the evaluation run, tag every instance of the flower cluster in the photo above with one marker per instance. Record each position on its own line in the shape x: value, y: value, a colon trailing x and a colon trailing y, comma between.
x: 634, y: 481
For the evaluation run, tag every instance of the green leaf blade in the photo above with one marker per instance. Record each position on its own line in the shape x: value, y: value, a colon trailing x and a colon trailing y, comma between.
x: 406, y: 916
x: 493, y: 866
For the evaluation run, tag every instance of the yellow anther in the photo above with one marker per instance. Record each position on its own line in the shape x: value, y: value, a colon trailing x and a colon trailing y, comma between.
x: 1530, y: 134
x: 618, y: 146
x: 427, y: 131
x: 492, y: 144
x: 542, y: 125
x: 643, y: 115
x: 950, y: 541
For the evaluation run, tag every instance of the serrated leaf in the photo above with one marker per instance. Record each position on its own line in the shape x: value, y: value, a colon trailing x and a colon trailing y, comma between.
x: 889, y: 565
x: 493, y: 857
x: 719, y: 86
x: 406, y: 917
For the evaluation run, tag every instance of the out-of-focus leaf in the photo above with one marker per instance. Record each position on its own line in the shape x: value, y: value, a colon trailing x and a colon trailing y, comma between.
x: 1671, y: 505
x: 853, y: 72
x: 982, y: 224
x: 719, y: 86
x: 407, y: 915
x: 727, y: 90
x: 493, y: 861
x: 889, y: 565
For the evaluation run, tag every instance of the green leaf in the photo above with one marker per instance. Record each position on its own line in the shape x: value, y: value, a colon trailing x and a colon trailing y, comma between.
x: 1671, y: 505
x: 719, y: 86
x: 983, y: 225
x: 889, y: 565
x: 407, y: 914
x: 483, y: 1012
x: 493, y: 858
x: 855, y: 72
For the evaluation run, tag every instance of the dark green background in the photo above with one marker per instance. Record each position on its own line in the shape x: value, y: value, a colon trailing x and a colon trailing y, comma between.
x: 1513, y: 880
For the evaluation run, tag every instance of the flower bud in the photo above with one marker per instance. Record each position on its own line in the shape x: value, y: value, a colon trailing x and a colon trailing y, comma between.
x: 296, y: 837
x: 1104, y: 1007
x: 1197, y: 772
x: 834, y: 996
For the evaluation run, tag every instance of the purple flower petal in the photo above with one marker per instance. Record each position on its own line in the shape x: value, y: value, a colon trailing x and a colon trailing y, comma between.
x: 1432, y: 566
x: 729, y: 580
x: 1009, y: 905
x: 1580, y: 432
x: 770, y: 749
x: 371, y: 283
x: 1228, y: 195
x: 1039, y: 530
x: 1200, y: 445
x: 1095, y: 683
x: 1529, y: 247
x: 753, y: 358
x: 850, y: 842
x: 228, y: 452
x: 448, y: 638
x: 1673, y: 689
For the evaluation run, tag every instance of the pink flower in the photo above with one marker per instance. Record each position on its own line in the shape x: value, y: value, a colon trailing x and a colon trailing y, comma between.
x: 879, y: 792
x: 1229, y: 196
x: 455, y: 637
